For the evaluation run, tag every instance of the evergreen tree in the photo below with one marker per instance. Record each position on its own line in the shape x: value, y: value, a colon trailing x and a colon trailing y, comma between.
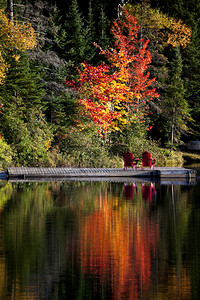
x: 103, y: 29
x: 90, y: 21
x: 3, y: 4
x: 74, y: 36
x: 23, y: 84
x: 22, y: 122
x: 110, y: 7
x: 191, y: 68
x: 176, y: 107
x: 170, y: 7
x: 90, y: 52
x: 45, y: 57
x: 191, y: 73
x: 189, y: 12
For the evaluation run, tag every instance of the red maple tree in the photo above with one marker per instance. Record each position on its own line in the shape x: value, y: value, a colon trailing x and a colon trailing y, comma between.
x: 115, y: 95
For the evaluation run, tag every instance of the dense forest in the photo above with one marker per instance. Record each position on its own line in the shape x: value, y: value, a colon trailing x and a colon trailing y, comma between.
x: 83, y: 81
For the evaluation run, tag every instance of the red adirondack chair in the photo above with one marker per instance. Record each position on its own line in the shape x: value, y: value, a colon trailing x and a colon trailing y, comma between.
x: 129, y: 160
x: 147, y: 161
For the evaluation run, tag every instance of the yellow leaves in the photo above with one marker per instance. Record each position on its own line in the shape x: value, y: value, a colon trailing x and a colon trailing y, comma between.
x: 23, y: 37
x: 177, y: 32
x: 171, y: 31
x: 14, y: 36
x: 48, y: 145
x: 16, y: 57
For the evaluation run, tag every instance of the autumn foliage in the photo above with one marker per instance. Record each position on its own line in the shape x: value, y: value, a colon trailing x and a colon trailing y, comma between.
x: 116, y: 94
x: 166, y: 29
x: 100, y: 93
x: 14, y: 37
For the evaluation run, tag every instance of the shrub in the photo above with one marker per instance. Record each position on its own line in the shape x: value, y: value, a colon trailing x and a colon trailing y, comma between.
x: 83, y: 148
x: 29, y: 138
x: 5, y: 154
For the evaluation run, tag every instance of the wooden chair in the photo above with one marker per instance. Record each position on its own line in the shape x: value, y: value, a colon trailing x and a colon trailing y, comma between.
x: 147, y: 161
x: 129, y: 161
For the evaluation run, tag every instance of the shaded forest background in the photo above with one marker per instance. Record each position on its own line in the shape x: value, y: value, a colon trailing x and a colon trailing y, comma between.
x: 40, y: 115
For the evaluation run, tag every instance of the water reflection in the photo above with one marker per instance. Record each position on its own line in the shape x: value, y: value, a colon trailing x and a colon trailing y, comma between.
x: 148, y: 191
x: 99, y: 240
x: 129, y: 189
x: 118, y: 243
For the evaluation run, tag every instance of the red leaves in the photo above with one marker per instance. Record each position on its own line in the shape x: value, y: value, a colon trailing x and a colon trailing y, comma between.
x: 98, y: 93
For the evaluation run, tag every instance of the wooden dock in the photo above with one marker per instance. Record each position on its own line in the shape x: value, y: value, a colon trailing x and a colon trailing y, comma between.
x: 163, y: 173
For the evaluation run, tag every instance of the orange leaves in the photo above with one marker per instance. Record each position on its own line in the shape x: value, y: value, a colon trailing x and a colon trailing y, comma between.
x: 180, y: 35
x: 131, y: 59
x: 101, y: 93
x: 131, y: 56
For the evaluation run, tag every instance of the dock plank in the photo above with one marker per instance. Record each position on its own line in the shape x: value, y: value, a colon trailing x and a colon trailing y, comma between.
x: 159, y: 172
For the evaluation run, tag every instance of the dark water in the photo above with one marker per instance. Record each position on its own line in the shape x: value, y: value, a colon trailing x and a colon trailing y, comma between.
x: 99, y: 240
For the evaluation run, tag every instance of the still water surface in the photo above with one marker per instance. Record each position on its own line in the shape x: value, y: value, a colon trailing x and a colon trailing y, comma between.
x: 99, y: 240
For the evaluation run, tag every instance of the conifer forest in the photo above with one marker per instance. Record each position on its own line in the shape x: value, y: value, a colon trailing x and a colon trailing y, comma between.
x: 83, y: 81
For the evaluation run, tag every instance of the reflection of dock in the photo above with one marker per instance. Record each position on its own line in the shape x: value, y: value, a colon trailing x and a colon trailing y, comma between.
x: 163, y: 173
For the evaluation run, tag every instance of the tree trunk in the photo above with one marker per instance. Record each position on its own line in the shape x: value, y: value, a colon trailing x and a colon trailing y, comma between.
x: 10, y: 10
x: 141, y: 15
x: 172, y: 133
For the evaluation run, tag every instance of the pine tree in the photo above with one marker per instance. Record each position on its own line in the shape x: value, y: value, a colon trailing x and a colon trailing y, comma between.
x: 23, y: 124
x: 90, y: 22
x: 103, y: 29
x: 191, y: 71
x: 46, y: 56
x: 171, y: 7
x: 74, y: 35
x: 176, y: 107
x: 3, y: 4
x: 22, y: 85
x: 192, y: 79
x: 90, y: 52
x: 189, y: 12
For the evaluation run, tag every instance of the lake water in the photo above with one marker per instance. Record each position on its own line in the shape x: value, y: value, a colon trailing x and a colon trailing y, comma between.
x: 99, y: 240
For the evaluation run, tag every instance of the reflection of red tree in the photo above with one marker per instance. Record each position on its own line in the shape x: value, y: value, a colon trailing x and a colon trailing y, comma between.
x: 118, y: 251
x: 145, y: 237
